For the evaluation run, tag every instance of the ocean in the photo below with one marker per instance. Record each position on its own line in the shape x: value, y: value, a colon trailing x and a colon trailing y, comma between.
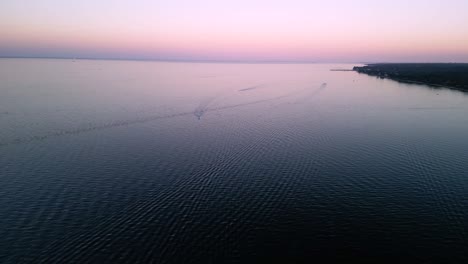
x: 171, y: 162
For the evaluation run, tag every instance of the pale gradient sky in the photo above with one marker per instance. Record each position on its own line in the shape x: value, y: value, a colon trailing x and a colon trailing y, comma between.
x: 252, y: 30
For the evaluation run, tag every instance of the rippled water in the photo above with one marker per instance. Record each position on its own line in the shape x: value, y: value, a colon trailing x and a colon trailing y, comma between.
x: 120, y: 161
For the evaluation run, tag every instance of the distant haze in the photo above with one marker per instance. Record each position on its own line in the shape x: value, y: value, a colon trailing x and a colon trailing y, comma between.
x: 241, y: 30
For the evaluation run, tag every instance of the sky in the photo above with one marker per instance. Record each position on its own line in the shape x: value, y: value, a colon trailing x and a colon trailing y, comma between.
x: 237, y: 30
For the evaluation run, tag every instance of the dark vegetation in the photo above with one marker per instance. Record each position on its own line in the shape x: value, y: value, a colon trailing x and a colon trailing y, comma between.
x: 451, y: 75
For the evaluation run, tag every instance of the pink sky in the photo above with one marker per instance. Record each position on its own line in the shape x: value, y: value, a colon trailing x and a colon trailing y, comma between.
x: 294, y: 30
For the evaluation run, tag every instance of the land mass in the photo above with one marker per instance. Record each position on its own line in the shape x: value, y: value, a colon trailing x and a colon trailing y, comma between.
x: 450, y: 75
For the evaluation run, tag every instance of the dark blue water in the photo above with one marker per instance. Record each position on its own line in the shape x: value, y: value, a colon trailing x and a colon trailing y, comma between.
x: 137, y: 162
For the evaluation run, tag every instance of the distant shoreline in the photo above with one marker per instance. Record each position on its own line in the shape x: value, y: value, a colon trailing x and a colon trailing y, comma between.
x: 448, y: 75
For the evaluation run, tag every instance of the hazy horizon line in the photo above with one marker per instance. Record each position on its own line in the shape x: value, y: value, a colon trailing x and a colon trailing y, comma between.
x: 215, y: 61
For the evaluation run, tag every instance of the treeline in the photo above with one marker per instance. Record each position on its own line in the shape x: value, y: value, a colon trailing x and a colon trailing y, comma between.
x: 453, y: 75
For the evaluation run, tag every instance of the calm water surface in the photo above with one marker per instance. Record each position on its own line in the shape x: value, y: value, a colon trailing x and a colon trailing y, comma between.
x: 120, y: 161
